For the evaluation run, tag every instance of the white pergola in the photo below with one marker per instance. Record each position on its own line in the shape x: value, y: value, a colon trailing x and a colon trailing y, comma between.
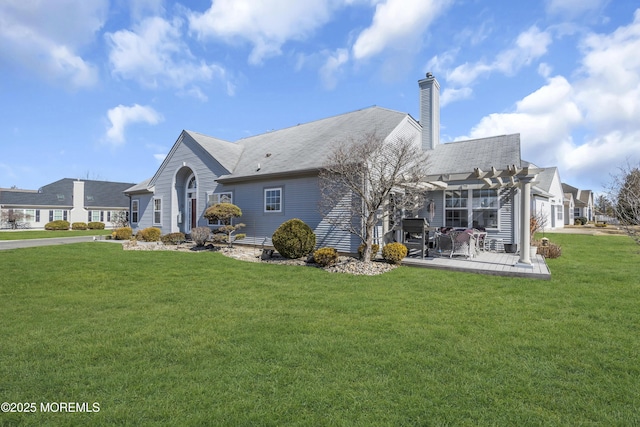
x: 510, y: 177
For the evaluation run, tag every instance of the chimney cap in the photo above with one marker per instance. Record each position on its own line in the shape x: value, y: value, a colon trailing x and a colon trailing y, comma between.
x: 429, y: 75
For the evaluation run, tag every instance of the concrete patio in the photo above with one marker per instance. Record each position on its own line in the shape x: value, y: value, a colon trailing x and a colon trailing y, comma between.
x: 492, y: 263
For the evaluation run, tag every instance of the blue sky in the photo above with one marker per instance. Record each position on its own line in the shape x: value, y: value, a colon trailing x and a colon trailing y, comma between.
x: 102, y: 89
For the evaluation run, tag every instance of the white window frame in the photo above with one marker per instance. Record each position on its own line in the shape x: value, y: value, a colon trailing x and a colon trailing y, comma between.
x: 215, y: 198
x: 486, y: 202
x: 456, y: 203
x: 135, y: 211
x: 266, y: 198
x: 157, y: 211
x: 466, y: 203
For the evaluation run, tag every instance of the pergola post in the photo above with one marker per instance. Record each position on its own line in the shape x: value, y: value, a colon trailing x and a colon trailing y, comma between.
x: 525, y: 218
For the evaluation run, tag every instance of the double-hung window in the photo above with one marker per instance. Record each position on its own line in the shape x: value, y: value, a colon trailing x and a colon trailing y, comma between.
x: 485, y: 208
x: 273, y: 199
x: 214, y: 199
x: 157, y: 211
x: 134, y: 211
x: 456, y: 212
x: 472, y: 208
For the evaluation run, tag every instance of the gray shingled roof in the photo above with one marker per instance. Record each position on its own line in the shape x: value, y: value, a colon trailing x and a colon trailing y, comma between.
x: 463, y: 156
x: 580, y: 197
x: 306, y: 146
x: 545, y: 178
x: 60, y: 193
x: 225, y: 152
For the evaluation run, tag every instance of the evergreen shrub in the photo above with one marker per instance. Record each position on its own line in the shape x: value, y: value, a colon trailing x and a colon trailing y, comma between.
x: 325, y: 257
x: 59, y: 224
x: 393, y: 253
x: 173, y: 238
x: 149, y: 234
x: 294, y: 239
x: 79, y: 226
x: 123, y: 233
x: 96, y: 225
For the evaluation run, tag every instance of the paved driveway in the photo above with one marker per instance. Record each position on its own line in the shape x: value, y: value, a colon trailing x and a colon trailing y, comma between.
x: 31, y: 243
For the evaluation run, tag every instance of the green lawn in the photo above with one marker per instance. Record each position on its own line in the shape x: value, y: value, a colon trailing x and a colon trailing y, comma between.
x: 45, y: 234
x: 174, y: 338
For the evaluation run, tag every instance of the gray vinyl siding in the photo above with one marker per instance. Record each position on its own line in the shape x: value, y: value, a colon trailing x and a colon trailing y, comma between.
x: 170, y: 186
x: 145, y: 212
x: 300, y: 197
x: 506, y: 213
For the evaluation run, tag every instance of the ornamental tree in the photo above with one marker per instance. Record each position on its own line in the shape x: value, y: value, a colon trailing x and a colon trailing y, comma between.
x: 225, y: 213
x: 361, y: 174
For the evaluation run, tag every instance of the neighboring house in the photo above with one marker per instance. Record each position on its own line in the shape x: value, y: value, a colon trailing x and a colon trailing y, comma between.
x: 548, y: 199
x: 273, y: 177
x: 583, y: 203
x: 569, y: 208
x: 66, y: 199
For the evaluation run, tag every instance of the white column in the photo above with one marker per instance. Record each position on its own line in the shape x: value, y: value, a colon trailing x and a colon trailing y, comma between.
x: 525, y: 217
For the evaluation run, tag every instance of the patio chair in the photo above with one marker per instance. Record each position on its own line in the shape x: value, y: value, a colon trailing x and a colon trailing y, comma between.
x: 462, y: 243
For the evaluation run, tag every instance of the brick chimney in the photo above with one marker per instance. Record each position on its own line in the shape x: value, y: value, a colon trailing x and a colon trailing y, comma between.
x: 430, y: 111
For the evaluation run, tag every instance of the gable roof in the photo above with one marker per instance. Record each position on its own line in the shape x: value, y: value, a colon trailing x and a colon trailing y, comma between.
x: 545, y: 178
x: 464, y: 156
x: 225, y: 152
x: 581, y: 198
x: 60, y: 193
x: 305, y: 147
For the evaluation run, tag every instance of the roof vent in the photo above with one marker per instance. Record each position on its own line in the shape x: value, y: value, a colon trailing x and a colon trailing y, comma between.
x: 268, y: 155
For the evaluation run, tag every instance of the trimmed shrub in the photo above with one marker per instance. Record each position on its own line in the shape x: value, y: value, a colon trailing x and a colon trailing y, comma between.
x: 393, y: 253
x: 79, y: 226
x: 294, y: 239
x: 200, y: 235
x: 325, y: 257
x: 95, y: 225
x: 149, y: 234
x: 123, y: 233
x: 583, y: 220
x: 374, y: 251
x: 59, y: 224
x: 173, y: 238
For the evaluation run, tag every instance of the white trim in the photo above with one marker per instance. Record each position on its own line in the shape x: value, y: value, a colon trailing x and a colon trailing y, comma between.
x: 280, y: 201
x: 153, y: 203
x: 137, y: 211
x: 219, y: 193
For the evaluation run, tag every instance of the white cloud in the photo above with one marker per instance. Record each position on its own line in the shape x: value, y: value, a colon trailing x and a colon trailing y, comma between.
x: 266, y: 25
x: 544, y: 120
x: 154, y: 55
x: 587, y: 127
x: 45, y: 37
x: 395, y: 22
x: 610, y: 93
x: 332, y: 67
x: 160, y: 157
x: 450, y: 95
x: 122, y: 116
x: 529, y: 46
x: 572, y: 8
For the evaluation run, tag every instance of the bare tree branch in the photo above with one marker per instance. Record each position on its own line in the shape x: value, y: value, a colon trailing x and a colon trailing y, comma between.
x: 624, y: 194
x: 359, y: 176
